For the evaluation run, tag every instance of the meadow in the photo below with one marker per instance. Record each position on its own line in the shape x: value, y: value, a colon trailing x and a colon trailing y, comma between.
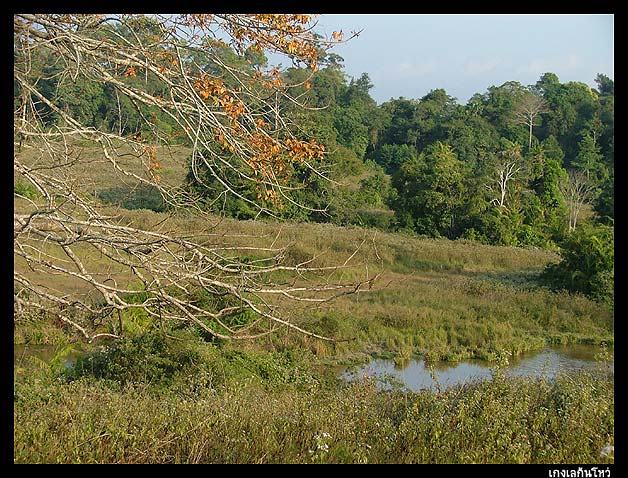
x: 180, y: 397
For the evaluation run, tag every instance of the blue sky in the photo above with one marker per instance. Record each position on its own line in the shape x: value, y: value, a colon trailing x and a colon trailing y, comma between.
x: 409, y: 55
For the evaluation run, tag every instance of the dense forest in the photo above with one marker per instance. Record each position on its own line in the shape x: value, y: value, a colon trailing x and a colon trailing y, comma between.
x: 518, y: 165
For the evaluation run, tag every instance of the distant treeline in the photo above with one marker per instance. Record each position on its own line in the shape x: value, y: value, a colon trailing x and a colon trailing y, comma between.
x: 516, y: 165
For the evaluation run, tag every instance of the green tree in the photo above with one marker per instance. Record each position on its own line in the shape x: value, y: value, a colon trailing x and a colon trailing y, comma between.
x: 589, y: 160
x: 552, y: 149
x: 605, y: 202
x: 470, y: 135
x: 432, y: 111
x: 430, y: 191
x: 605, y: 85
x: 401, y: 125
x: 547, y: 188
x: 499, y: 105
x: 392, y: 156
x: 570, y: 107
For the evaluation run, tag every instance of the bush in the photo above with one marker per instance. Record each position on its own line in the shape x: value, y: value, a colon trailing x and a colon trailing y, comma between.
x: 587, y: 265
x: 146, y: 358
x: 139, y: 197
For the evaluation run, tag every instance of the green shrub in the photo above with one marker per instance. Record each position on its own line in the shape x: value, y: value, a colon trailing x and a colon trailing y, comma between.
x: 139, y: 197
x: 25, y: 189
x: 587, y: 264
x: 146, y: 358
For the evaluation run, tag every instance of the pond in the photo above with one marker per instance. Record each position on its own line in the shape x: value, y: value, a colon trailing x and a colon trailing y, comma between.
x: 28, y: 356
x: 415, y: 375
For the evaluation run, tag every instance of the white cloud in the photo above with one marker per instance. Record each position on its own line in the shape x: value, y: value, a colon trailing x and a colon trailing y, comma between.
x: 416, y: 69
x: 478, y: 67
x: 542, y: 65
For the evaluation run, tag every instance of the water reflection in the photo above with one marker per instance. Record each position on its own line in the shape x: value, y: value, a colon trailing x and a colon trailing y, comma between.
x: 417, y: 376
x: 25, y: 356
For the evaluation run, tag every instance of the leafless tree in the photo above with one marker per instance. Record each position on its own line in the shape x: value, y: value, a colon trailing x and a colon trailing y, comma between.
x: 508, y: 166
x: 529, y: 108
x: 577, y: 190
x: 233, y: 121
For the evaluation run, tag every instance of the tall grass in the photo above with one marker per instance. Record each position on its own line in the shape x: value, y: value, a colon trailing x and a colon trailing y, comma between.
x: 253, y: 407
x: 166, y: 396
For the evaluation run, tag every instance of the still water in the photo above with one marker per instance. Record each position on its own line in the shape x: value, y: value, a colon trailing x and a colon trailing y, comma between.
x: 415, y: 375
x: 27, y: 356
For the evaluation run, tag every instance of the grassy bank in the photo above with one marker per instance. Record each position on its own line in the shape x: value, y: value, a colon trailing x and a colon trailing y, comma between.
x: 225, y: 405
x: 438, y: 298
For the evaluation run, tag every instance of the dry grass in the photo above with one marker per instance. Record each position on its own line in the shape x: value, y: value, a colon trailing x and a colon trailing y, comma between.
x: 441, y: 298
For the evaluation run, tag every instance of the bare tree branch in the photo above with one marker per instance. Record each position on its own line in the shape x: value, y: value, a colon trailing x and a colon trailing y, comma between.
x: 530, y: 107
x: 80, y: 261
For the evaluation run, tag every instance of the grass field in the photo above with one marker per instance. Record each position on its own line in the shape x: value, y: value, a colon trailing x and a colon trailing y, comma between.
x: 188, y: 400
x: 445, y: 299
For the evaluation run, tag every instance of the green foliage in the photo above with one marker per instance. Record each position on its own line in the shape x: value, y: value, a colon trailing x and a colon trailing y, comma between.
x: 25, y: 189
x: 605, y: 202
x: 605, y: 85
x: 139, y: 197
x: 471, y: 135
x: 352, y: 132
x: 552, y: 149
x: 570, y: 106
x: 392, y: 156
x: 430, y: 191
x: 499, y: 104
x: 577, y: 131
x: 212, y: 194
x: 145, y: 358
x: 587, y: 264
x: 241, y: 315
x: 589, y: 159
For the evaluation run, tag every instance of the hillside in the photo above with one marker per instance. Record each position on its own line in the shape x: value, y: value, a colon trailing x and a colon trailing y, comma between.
x: 446, y: 299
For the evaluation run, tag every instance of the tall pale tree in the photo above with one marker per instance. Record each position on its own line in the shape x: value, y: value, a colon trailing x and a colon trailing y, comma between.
x: 508, y: 167
x: 527, y: 112
x: 578, y: 191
